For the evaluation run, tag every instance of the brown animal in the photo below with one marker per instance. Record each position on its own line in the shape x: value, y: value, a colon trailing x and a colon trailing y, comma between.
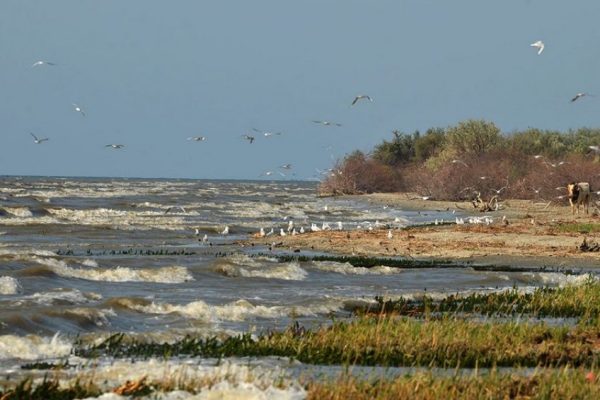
x: 579, y: 193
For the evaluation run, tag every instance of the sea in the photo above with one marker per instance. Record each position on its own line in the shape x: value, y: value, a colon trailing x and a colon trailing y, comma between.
x: 82, y: 258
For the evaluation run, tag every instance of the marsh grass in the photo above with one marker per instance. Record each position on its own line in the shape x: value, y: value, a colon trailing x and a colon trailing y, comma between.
x: 369, y: 262
x: 578, y: 228
x: 572, y: 301
x: 388, y: 341
x: 560, y: 384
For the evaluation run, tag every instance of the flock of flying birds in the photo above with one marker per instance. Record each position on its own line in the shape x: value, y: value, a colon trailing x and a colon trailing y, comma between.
x: 249, y: 138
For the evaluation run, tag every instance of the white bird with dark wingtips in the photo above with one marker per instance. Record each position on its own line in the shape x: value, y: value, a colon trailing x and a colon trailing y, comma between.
x: 360, y: 97
x: 42, y: 62
x: 115, y: 146
x: 197, y: 138
x: 327, y: 123
x: 266, y: 133
x: 248, y: 138
x: 78, y: 109
x: 37, y: 140
x: 538, y: 45
x: 286, y: 166
x: 578, y: 96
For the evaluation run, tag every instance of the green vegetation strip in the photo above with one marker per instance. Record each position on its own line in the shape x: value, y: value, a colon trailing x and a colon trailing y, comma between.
x: 389, y: 341
x: 545, y: 384
x: 369, y: 262
x: 573, y: 301
x: 578, y: 228
x: 562, y: 384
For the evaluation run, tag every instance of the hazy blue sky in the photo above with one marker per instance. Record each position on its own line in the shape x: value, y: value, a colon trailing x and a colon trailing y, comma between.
x: 151, y: 73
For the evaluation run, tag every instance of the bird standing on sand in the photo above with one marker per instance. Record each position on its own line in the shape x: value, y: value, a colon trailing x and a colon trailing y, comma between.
x: 225, y: 231
x: 360, y: 97
x: 390, y: 235
x: 37, y: 140
x: 538, y: 45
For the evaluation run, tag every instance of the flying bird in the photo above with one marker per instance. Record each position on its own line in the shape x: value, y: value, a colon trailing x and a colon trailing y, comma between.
x: 78, y: 109
x: 360, y: 97
x: 327, y: 123
x: 595, y: 149
x: 498, y: 191
x: 248, y: 138
x: 41, y: 62
x: 578, y: 96
x: 37, y: 140
x: 115, y: 146
x: 197, y: 138
x: 460, y: 162
x: 286, y: 166
x: 266, y: 133
x: 538, y: 45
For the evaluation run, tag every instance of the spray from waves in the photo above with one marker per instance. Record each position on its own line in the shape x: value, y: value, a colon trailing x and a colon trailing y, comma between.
x: 33, y: 347
x: 349, y: 269
x: 239, y: 310
x: 227, y: 380
x: 60, y: 297
x: 556, y: 278
x: 83, y: 316
x: 175, y: 274
x: 9, y: 285
x: 21, y: 212
x: 240, y: 265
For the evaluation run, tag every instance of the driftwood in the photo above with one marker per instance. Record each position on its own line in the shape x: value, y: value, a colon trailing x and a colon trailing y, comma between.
x: 589, y: 247
x: 485, y: 206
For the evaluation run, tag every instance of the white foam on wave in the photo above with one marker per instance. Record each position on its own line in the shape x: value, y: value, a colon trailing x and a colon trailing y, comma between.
x: 241, y: 265
x: 239, y: 310
x: 33, y: 347
x: 9, y: 285
x: 559, y: 279
x: 88, y: 262
x: 227, y: 380
x: 72, y: 296
x: 21, y: 212
x: 175, y: 274
x: 20, y: 253
x: 124, y: 219
x: 349, y: 269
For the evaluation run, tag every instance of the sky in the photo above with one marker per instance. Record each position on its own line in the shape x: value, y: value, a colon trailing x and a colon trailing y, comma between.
x: 149, y: 74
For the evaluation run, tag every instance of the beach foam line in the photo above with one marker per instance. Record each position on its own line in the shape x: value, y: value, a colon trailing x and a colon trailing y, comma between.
x: 239, y: 310
x: 174, y: 274
x: 33, y: 347
x: 9, y: 286
x: 349, y: 269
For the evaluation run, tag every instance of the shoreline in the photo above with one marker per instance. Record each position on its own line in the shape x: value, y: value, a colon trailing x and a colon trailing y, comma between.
x: 531, y: 233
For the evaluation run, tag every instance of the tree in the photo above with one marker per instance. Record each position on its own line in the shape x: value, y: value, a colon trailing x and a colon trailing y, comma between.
x: 473, y: 137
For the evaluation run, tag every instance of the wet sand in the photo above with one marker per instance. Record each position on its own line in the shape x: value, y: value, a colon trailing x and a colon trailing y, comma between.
x: 535, y: 234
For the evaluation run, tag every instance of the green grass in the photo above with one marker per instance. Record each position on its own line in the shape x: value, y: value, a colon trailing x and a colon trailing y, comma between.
x: 573, y: 301
x: 578, y: 228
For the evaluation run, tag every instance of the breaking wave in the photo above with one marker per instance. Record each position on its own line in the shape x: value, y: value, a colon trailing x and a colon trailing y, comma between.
x: 175, y: 274
x: 33, y: 347
x: 349, y: 269
x: 9, y: 285
x: 259, y: 267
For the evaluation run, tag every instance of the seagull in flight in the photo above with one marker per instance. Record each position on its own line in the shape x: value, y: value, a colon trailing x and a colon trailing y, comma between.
x: 286, y: 166
x: 248, y: 138
x: 538, y: 45
x: 42, y: 62
x: 498, y: 191
x: 269, y: 173
x: 360, y: 97
x: 266, y: 134
x: 197, y: 138
x: 37, y: 140
x: 115, y: 146
x: 78, y: 109
x: 578, y: 96
x: 327, y: 123
x: 595, y: 149
x: 460, y: 162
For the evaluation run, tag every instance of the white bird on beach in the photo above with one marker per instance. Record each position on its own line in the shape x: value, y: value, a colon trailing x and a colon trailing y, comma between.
x: 290, y: 225
x: 390, y: 235
x: 360, y: 97
x: 271, y: 232
x: 197, y: 138
x: 42, y: 62
x: 325, y: 226
x: 340, y: 226
x: 282, y: 232
x: 538, y: 45
x: 262, y: 233
x: 197, y: 232
x: 205, y: 238
x: 115, y: 146
x: 314, y: 228
x: 294, y: 233
x: 225, y: 231
x: 301, y: 229
x: 78, y: 109
x: 37, y: 140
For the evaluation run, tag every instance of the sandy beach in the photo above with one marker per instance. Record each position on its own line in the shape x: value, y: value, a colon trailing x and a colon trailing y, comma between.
x: 534, y: 234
